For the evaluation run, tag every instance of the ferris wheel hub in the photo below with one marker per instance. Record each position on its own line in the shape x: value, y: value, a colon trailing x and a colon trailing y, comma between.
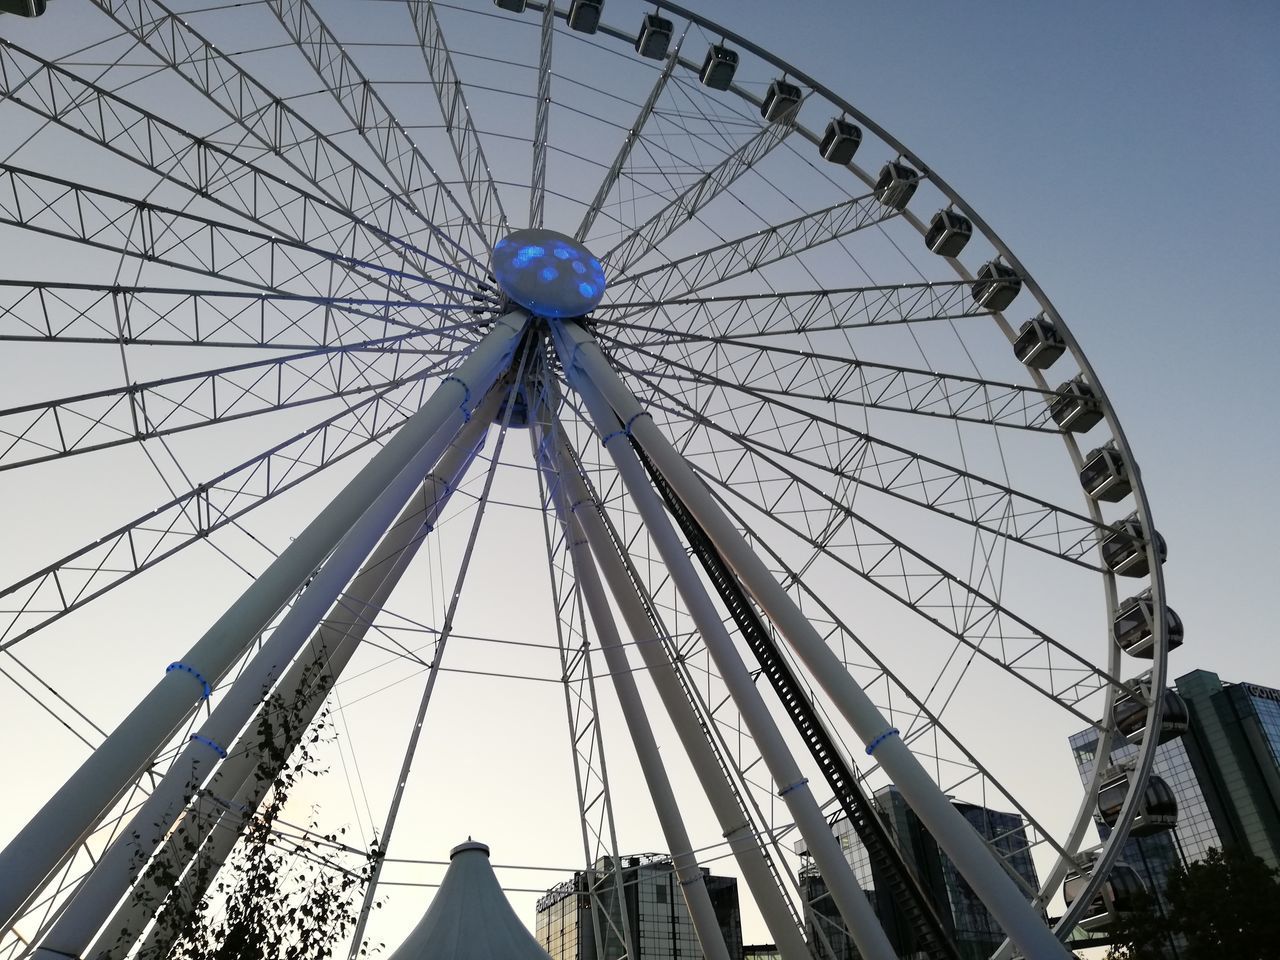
x: 548, y: 273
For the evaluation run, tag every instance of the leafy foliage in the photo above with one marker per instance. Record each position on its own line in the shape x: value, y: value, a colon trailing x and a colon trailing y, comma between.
x: 286, y: 893
x: 1227, y: 905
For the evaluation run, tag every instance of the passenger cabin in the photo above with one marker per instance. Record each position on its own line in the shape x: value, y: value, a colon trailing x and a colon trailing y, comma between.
x: 654, y: 37
x: 781, y: 102
x: 584, y: 15
x: 1105, y: 475
x: 996, y: 286
x: 1129, y: 713
x: 1076, y: 408
x: 841, y: 141
x: 515, y: 6
x: 23, y: 8
x: 718, y: 68
x: 948, y: 233
x: 1124, y: 551
x: 1120, y: 896
x: 1133, y: 627
x: 1038, y: 343
x: 1157, y: 807
x: 896, y: 185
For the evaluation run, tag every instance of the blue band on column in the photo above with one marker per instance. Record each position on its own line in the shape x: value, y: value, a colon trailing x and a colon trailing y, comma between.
x: 891, y: 732
x: 795, y: 786
x: 204, y: 684
x: 211, y: 744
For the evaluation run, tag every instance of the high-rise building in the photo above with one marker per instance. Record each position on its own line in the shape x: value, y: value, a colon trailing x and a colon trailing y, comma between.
x: 655, y: 912
x: 968, y: 922
x: 1224, y: 772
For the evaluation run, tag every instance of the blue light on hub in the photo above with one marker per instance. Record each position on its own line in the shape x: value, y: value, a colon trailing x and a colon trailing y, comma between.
x: 529, y: 267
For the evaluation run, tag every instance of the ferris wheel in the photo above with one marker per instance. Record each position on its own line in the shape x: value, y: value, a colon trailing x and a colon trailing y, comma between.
x: 815, y: 490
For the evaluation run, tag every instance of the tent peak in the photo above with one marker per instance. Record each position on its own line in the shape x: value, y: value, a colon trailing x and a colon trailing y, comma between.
x: 469, y: 845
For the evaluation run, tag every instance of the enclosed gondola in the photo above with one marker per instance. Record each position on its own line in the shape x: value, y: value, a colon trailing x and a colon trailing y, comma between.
x: 584, y: 15
x: 1038, y: 343
x: 948, y: 233
x: 1124, y: 550
x: 1105, y: 475
x: 896, y: 184
x: 23, y: 8
x: 1120, y: 895
x: 781, y: 102
x: 1157, y: 807
x: 718, y: 67
x: 515, y: 6
x: 1129, y: 714
x: 654, y: 37
x: 1133, y: 627
x: 840, y: 141
x: 996, y: 286
x: 1076, y: 408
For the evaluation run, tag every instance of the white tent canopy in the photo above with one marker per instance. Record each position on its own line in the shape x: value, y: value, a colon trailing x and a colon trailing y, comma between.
x: 470, y: 917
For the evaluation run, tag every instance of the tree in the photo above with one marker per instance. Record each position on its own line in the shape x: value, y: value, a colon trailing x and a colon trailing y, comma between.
x: 1227, y: 905
x: 286, y: 893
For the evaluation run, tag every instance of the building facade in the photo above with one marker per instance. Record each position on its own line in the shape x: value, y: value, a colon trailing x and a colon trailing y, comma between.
x: 968, y: 922
x: 652, y: 908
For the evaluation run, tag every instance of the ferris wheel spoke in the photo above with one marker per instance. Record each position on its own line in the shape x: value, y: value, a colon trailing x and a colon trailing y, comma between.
x: 73, y: 425
x: 750, y: 318
x: 803, y: 375
x: 857, y: 457
x: 929, y: 719
x: 280, y: 128
x: 147, y: 231
x: 89, y: 572
x: 749, y: 253
x: 198, y: 164
x: 48, y: 312
x: 690, y: 201
x: 542, y: 117
x: 411, y: 172
x: 486, y: 202
x: 634, y: 133
x: 985, y: 627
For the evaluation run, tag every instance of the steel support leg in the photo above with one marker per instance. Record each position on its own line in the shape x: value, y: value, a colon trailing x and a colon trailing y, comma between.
x: 582, y: 357
x: 240, y: 784
x: 734, y: 820
x: 689, y: 874
x: 854, y: 907
x: 71, y: 814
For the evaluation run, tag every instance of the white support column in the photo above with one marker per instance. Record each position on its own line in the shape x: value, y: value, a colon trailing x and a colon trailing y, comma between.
x: 732, y: 818
x: 74, y: 810
x: 688, y: 873
x: 582, y: 357
x: 241, y: 782
x: 854, y: 907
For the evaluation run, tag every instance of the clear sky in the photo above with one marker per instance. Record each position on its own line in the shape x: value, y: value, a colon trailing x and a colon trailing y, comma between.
x: 1125, y: 152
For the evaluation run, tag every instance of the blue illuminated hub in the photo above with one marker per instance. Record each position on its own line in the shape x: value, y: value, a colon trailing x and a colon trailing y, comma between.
x: 550, y: 274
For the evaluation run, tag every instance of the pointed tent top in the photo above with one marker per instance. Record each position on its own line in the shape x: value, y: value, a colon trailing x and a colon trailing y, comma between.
x: 470, y: 917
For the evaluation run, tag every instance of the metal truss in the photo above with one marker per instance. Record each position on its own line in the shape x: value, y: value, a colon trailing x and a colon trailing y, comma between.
x: 161, y: 235
x: 751, y: 318
x: 486, y: 202
x: 200, y: 165
x: 743, y: 255
x: 54, y: 312
x: 107, y: 418
x: 98, y: 567
x: 690, y: 201
x: 542, y: 117
x: 272, y: 122
x: 410, y: 170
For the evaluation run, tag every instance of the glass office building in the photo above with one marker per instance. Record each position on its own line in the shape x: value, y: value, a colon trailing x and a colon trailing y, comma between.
x: 968, y: 921
x: 652, y: 907
x: 1224, y: 771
